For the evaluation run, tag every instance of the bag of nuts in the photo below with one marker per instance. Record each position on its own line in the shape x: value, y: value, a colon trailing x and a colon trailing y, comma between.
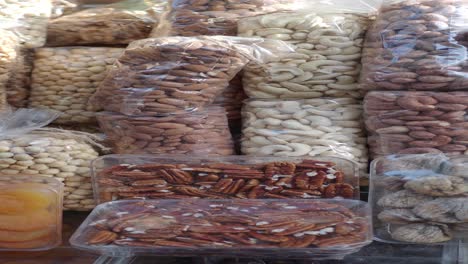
x: 64, y: 7
x: 202, y: 132
x: 416, y: 122
x: 65, y: 78
x: 231, y: 99
x: 113, y: 24
x: 177, y: 74
x: 189, y: 18
x: 326, y: 61
x: 417, y: 45
x: 297, y: 128
x: 28, y: 149
x: 27, y: 19
x: 18, y: 86
x: 9, y: 49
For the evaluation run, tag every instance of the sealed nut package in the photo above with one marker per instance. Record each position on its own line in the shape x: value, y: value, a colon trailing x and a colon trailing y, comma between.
x: 203, y: 227
x: 177, y: 74
x: 18, y: 85
x: 326, y: 61
x: 195, y: 18
x: 9, y: 49
x: 298, y: 128
x: 419, y: 198
x: 417, y: 45
x: 64, y: 79
x: 416, y: 122
x: 117, y: 177
x: 202, y: 132
x: 28, y: 149
x: 31, y: 213
x: 27, y: 19
x: 113, y: 24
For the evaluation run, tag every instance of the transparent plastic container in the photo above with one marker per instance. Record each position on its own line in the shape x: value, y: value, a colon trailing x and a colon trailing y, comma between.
x: 420, y: 199
x: 30, y: 213
x: 238, y: 228
x: 117, y: 177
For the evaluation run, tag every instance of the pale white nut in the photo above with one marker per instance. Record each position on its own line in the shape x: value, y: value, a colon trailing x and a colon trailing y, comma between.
x: 272, y: 149
x: 298, y: 150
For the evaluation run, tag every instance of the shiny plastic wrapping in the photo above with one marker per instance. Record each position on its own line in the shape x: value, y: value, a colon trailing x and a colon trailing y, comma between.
x: 417, y: 45
x: 416, y: 122
x: 64, y: 79
x: 9, y: 49
x: 28, y: 149
x: 231, y: 99
x: 419, y: 198
x: 204, y: 132
x: 31, y: 213
x: 195, y: 18
x: 326, y: 61
x: 117, y: 177
x: 297, y: 128
x: 64, y: 7
x: 236, y: 228
x: 177, y: 74
x: 19, y: 83
x: 113, y: 24
x: 27, y: 19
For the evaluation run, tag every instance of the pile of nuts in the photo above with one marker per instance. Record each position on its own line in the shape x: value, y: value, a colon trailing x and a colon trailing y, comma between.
x: 325, y: 61
x: 20, y: 80
x: 227, y: 224
x: 170, y: 75
x: 312, y: 127
x: 420, y: 206
x: 201, y: 132
x: 8, y: 58
x: 220, y: 17
x: 106, y: 25
x: 27, y: 19
x: 54, y: 155
x: 417, y: 122
x: 419, y: 45
x: 64, y: 79
x: 280, y: 180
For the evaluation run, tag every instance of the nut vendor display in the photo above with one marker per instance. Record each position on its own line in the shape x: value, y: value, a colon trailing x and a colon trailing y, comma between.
x: 137, y: 109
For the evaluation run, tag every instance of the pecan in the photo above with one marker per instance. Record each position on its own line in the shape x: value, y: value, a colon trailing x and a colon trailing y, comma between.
x: 269, y: 238
x: 280, y: 168
x: 103, y: 237
x: 157, y: 182
x: 339, y: 189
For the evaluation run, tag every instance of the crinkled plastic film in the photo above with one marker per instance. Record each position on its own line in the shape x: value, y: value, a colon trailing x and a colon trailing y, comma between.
x: 26, y: 148
x: 64, y: 7
x: 113, y: 24
x: 419, y: 198
x: 312, y: 127
x: 231, y: 99
x: 18, y: 85
x: 177, y: 74
x: 417, y: 45
x: 197, y: 133
x: 416, y: 122
x: 326, y: 58
x: 64, y: 79
x: 27, y: 19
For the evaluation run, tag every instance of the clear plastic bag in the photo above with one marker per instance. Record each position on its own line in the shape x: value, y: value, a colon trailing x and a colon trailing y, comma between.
x: 417, y: 45
x: 301, y: 128
x: 64, y: 79
x: 416, y: 122
x: 19, y: 84
x: 419, y: 198
x: 64, y: 7
x: 177, y: 74
x: 31, y: 213
x: 116, y: 177
x: 326, y: 58
x: 9, y: 49
x: 231, y: 99
x: 234, y: 228
x: 113, y: 24
x: 189, y: 18
x: 27, y: 19
x: 197, y: 133
x: 28, y: 149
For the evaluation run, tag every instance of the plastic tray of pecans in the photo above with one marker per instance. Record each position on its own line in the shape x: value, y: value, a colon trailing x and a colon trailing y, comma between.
x: 117, y: 177
x: 196, y: 227
x: 420, y: 198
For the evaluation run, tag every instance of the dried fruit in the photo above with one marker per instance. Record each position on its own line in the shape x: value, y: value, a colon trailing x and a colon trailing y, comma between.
x: 422, y: 233
x: 403, y: 199
x: 438, y: 185
x: 444, y: 210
